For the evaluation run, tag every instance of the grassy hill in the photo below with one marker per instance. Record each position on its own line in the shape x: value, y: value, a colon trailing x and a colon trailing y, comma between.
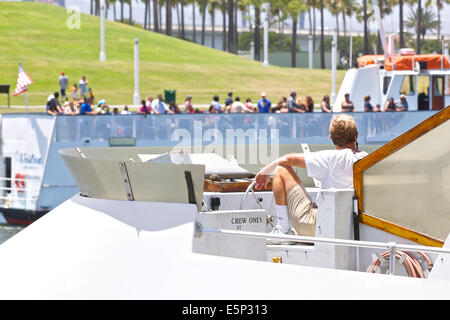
x: 37, y: 34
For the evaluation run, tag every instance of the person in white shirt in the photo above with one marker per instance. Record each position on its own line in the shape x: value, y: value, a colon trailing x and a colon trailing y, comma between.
x: 82, y: 84
x: 237, y: 106
x: 295, y: 209
x: 159, y: 107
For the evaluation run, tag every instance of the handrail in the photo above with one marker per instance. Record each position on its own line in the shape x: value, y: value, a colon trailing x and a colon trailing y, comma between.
x: 33, y: 178
x: 391, y: 246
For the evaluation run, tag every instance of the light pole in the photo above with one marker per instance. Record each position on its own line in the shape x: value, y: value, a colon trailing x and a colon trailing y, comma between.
x: 136, y: 96
x: 102, y: 32
x: 310, y: 51
x: 333, y: 67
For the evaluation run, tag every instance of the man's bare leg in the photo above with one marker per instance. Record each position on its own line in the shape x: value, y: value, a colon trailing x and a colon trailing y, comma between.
x: 284, y: 178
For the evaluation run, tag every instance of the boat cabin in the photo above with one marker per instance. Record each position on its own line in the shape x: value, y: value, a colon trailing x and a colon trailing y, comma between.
x: 423, y: 79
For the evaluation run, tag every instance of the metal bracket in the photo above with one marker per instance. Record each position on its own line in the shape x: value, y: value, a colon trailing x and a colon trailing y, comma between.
x: 80, y: 153
x: 392, y: 251
x: 198, y: 230
x: 126, y: 180
x: 305, y: 149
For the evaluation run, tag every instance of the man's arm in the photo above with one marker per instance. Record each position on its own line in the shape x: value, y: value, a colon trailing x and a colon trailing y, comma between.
x: 292, y: 160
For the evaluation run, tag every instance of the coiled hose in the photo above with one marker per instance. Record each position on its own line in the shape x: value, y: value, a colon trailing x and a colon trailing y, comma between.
x: 410, y: 262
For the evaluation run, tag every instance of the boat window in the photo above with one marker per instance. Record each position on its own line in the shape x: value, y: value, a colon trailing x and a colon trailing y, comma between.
x: 447, y: 85
x: 438, y: 86
x: 408, y: 85
x: 407, y: 181
x: 423, y: 84
x: 386, y: 83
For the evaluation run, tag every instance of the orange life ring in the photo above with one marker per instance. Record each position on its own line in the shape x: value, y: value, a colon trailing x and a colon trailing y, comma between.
x: 20, y: 182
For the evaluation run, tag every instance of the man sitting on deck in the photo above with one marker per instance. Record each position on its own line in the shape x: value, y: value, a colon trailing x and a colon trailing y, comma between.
x: 333, y: 168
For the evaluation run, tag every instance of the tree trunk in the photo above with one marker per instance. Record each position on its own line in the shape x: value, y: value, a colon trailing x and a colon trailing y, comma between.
x: 212, y: 28
x: 257, y: 33
x: 121, y: 10
x: 168, y: 18
x: 310, y: 20
x: 314, y: 29
x: 366, y: 38
x: 294, y: 42
x: 92, y: 7
x: 322, y: 49
x: 439, y: 23
x: 178, y: 19
x: 230, y: 26
x: 131, y: 12
x: 419, y: 25
x: 402, y: 37
x: 204, y: 3
x: 193, y: 21
x: 224, y: 26
x: 97, y: 7
x: 149, y: 15
x: 145, y: 14
x: 344, y: 24
x: 183, y: 33
x: 114, y: 10
x: 155, y: 16
x: 280, y: 33
x: 160, y: 14
x: 235, y: 33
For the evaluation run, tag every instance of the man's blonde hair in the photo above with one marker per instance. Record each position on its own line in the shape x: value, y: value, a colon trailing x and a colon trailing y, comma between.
x: 343, y: 130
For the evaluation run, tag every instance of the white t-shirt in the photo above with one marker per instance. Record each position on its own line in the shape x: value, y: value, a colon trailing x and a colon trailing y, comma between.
x: 333, y: 168
x: 237, y: 107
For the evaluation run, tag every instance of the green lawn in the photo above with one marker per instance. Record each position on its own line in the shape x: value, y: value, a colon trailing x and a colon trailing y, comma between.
x: 37, y: 34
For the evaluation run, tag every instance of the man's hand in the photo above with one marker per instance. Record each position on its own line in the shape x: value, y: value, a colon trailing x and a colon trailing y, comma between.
x: 261, y: 181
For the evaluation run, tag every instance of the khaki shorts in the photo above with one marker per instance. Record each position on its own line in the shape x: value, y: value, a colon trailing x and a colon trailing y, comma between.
x: 302, y: 211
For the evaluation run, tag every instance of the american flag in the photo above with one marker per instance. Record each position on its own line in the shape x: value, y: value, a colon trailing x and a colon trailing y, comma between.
x: 23, y: 81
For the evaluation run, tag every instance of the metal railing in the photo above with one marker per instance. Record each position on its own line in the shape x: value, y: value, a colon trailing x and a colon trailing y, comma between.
x: 392, y: 247
x: 31, y: 193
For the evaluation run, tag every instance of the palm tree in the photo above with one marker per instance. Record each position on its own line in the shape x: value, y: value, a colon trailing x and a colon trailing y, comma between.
x: 322, y: 49
x: 203, y: 5
x: 439, y: 5
x: 168, y: 18
x: 366, y: 35
x: 130, y: 10
x: 146, y: 13
x: 277, y: 10
x: 121, y: 10
x: 231, y: 27
x: 347, y: 9
x: 223, y: 9
x: 402, y: 37
x: 193, y: 21
x: 213, y: 4
x: 183, y: 32
x: 428, y: 22
x: 293, y: 8
x: 155, y: 16
x: 419, y: 23
x: 257, y: 37
x: 334, y: 7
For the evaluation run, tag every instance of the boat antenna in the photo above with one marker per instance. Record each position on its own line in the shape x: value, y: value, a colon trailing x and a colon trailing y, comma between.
x: 376, y: 7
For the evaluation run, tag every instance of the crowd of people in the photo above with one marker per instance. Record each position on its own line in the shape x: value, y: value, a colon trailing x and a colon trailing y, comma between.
x: 390, y: 106
x: 82, y: 102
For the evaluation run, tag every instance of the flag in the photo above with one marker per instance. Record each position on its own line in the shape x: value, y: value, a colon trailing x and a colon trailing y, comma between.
x: 23, y: 81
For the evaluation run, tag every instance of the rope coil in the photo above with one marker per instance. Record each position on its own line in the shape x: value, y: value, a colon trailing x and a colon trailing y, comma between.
x: 409, y: 260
